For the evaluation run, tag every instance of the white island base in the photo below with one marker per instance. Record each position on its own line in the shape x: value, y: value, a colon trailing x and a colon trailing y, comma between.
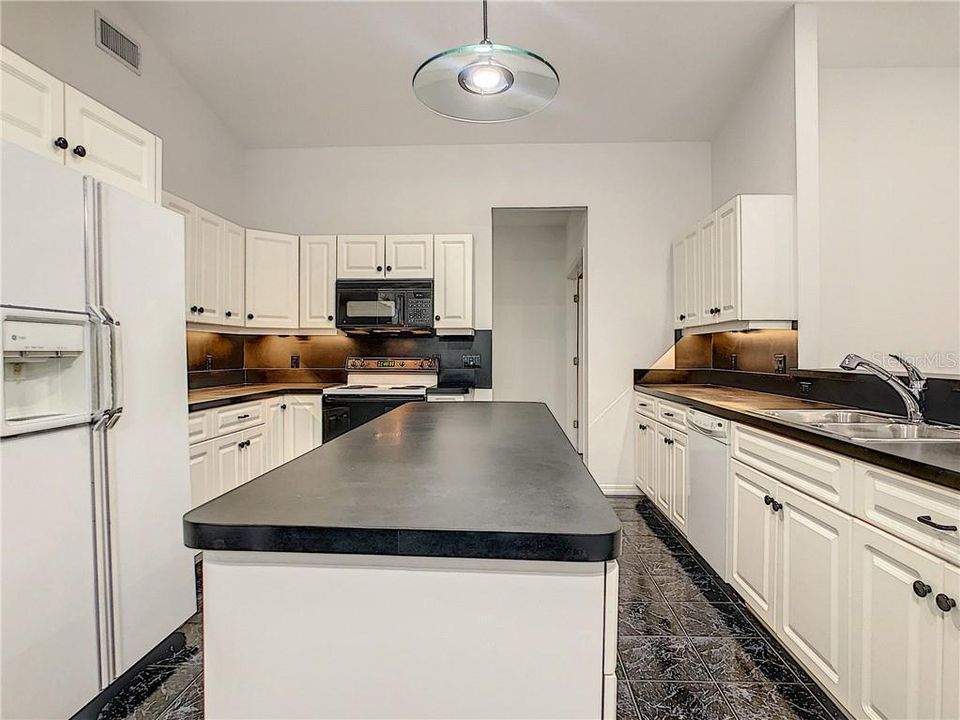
x: 291, y: 635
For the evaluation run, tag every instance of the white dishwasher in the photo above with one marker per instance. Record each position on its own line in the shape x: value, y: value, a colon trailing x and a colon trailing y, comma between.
x: 708, y: 445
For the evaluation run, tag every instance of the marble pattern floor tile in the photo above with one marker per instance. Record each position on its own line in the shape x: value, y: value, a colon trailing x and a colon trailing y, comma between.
x: 638, y: 587
x: 661, y: 658
x: 683, y: 587
x: 681, y: 701
x: 774, y: 702
x: 648, y: 618
x: 714, y: 620
x: 743, y: 660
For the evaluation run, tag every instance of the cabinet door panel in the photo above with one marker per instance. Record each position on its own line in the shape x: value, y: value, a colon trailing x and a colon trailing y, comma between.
x: 256, y: 447
x: 644, y: 459
x: 318, y: 281
x: 409, y: 256
x: 692, y: 303
x: 814, y: 593
x: 728, y: 261
x: 678, y: 472
x: 360, y: 257
x: 191, y: 251
x: 118, y: 151
x: 709, y: 257
x: 203, y: 473
x: 951, y: 643
x: 228, y: 462
x: 210, y: 273
x: 753, y: 529
x: 453, y: 282
x: 233, y: 271
x: 304, y: 426
x: 897, y: 635
x: 276, y: 408
x: 31, y: 106
x: 679, y: 283
x: 272, y: 279
x: 663, y: 467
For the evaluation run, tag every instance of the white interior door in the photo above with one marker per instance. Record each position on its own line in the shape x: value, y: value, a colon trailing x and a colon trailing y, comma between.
x: 814, y: 591
x: 149, y: 477
x: 233, y: 273
x: 106, y: 145
x: 754, y: 530
x: 360, y: 257
x: 49, y: 661
x: 273, y: 279
x: 728, y: 261
x: 43, y: 252
x: 897, y: 634
x: 318, y: 281
x: 31, y: 106
x: 409, y: 257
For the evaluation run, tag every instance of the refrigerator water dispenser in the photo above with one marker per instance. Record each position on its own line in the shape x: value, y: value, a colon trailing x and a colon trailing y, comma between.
x: 46, y: 371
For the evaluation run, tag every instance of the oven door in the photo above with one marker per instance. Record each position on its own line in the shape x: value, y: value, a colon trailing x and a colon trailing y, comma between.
x: 368, y: 307
x: 346, y: 412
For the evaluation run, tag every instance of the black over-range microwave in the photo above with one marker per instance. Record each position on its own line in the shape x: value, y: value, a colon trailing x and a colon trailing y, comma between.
x: 385, y: 305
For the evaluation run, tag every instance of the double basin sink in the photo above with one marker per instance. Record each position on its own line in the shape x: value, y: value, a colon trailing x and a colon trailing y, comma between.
x: 866, y: 426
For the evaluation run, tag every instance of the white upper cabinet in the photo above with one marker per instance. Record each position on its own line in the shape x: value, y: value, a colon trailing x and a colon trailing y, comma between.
x: 453, y: 283
x: 31, y: 106
x: 318, y: 281
x: 409, y: 257
x: 233, y: 270
x: 190, y: 213
x: 741, y: 270
x: 360, y: 257
x: 210, y: 246
x: 48, y: 117
x: 272, y: 279
x: 679, y: 282
x: 108, y: 146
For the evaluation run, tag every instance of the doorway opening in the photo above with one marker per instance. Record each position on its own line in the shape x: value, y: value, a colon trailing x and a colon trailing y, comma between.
x: 539, y: 312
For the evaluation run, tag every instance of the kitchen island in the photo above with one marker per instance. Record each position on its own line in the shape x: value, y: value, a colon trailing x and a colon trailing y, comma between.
x: 445, y: 560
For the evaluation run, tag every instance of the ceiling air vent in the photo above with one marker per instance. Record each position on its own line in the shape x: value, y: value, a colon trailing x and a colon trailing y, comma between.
x: 112, y: 41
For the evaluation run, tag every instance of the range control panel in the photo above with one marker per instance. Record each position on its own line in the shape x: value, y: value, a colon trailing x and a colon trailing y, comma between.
x: 430, y: 364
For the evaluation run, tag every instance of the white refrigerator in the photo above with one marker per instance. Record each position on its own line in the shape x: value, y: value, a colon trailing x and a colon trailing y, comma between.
x: 94, y: 474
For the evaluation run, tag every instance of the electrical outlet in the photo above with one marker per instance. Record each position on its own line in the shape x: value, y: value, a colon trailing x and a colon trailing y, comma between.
x: 471, y: 361
x: 208, y: 363
x: 780, y: 364
x: 805, y: 387
x: 294, y: 361
x: 733, y: 361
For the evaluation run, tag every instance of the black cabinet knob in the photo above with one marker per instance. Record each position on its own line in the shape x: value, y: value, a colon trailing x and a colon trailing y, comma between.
x: 240, y: 445
x: 80, y: 151
x: 777, y: 506
x: 61, y: 142
x: 249, y: 316
x: 379, y: 268
x: 200, y: 309
x: 228, y: 313
x: 945, y: 603
x: 921, y: 589
x: 283, y: 406
x: 193, y: 308
x: 767, y: 499
x: 389, y: 268
x: 437, y: 318
x: 682, y: 316
x: 330, y: 317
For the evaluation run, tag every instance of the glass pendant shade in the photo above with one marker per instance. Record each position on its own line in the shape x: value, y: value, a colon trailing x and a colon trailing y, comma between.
x: 486, y: 82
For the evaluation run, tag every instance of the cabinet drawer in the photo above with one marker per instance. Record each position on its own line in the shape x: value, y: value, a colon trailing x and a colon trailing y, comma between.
x: 238, y: 417
x: 820, y: 474
x: 672, y: 415
x: 894, y: 502
x: 199, y: 426
x: 645, y: 405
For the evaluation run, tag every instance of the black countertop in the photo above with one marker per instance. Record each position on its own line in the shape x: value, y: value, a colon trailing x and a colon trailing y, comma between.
x: 935, y: 462
x: 473, y: 480
x: 450, y: 390
x: 218, y: 396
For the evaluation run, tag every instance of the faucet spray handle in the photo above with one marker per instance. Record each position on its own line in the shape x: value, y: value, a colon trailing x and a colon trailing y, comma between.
x: 918, y: 382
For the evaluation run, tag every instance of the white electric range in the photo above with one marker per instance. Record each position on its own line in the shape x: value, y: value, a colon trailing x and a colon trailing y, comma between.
x: 376, y: 385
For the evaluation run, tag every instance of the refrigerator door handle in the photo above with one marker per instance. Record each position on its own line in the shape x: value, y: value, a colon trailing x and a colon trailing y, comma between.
x: 116, y: 364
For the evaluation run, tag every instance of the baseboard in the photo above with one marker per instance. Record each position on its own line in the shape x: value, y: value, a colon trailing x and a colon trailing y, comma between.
x: 620, y: 490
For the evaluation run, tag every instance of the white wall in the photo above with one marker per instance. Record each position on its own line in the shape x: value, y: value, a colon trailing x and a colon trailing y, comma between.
x: 890, y: 215
x: 754, y: 149
x: 202, y: 161
x: 639, y: 197
x: 529, y: 315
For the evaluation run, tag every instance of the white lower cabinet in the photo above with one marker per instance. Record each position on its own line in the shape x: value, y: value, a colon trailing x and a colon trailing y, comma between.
x: 303, y: 424
x: 753, y: 539
x: 645, y: 461
x: 274, y: 418
x: 228, y: 462
x: 901, y: 639
x: 203, y: 474
x: 678, y: 481
x: 662, y: 469
x: 813, y: 598
x: 951, y: 640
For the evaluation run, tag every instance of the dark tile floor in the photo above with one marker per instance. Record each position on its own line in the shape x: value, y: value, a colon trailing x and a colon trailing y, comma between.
x: 688, y: 649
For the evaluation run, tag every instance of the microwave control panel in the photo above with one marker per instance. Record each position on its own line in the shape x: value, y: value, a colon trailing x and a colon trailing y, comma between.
x: 419, y: 308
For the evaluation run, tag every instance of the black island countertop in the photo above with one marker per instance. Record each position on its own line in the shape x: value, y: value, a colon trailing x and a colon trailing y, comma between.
x: 472, y: 480
x: 935, y: 462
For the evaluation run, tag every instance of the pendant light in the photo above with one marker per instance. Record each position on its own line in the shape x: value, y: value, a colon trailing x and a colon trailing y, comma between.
x: 486, y: 82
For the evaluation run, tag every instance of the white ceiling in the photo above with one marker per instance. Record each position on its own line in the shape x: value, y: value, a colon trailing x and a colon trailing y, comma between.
x: 881, y: 34
x: 300, y: 74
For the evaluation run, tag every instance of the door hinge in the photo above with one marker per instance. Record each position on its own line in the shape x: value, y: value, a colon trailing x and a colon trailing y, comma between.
x: 576, y: 424
x: 576, y: 361
x: 576, y: 297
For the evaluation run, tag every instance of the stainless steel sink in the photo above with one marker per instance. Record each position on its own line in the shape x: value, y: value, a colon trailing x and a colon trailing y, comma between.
x: 886, y: 432
x: 807, y: 417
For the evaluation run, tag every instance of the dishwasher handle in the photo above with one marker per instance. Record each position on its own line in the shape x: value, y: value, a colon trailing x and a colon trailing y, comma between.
x: 716, y: 433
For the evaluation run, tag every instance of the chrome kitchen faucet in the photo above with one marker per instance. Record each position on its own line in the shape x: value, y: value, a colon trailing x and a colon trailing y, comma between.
x: 913, y: 395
